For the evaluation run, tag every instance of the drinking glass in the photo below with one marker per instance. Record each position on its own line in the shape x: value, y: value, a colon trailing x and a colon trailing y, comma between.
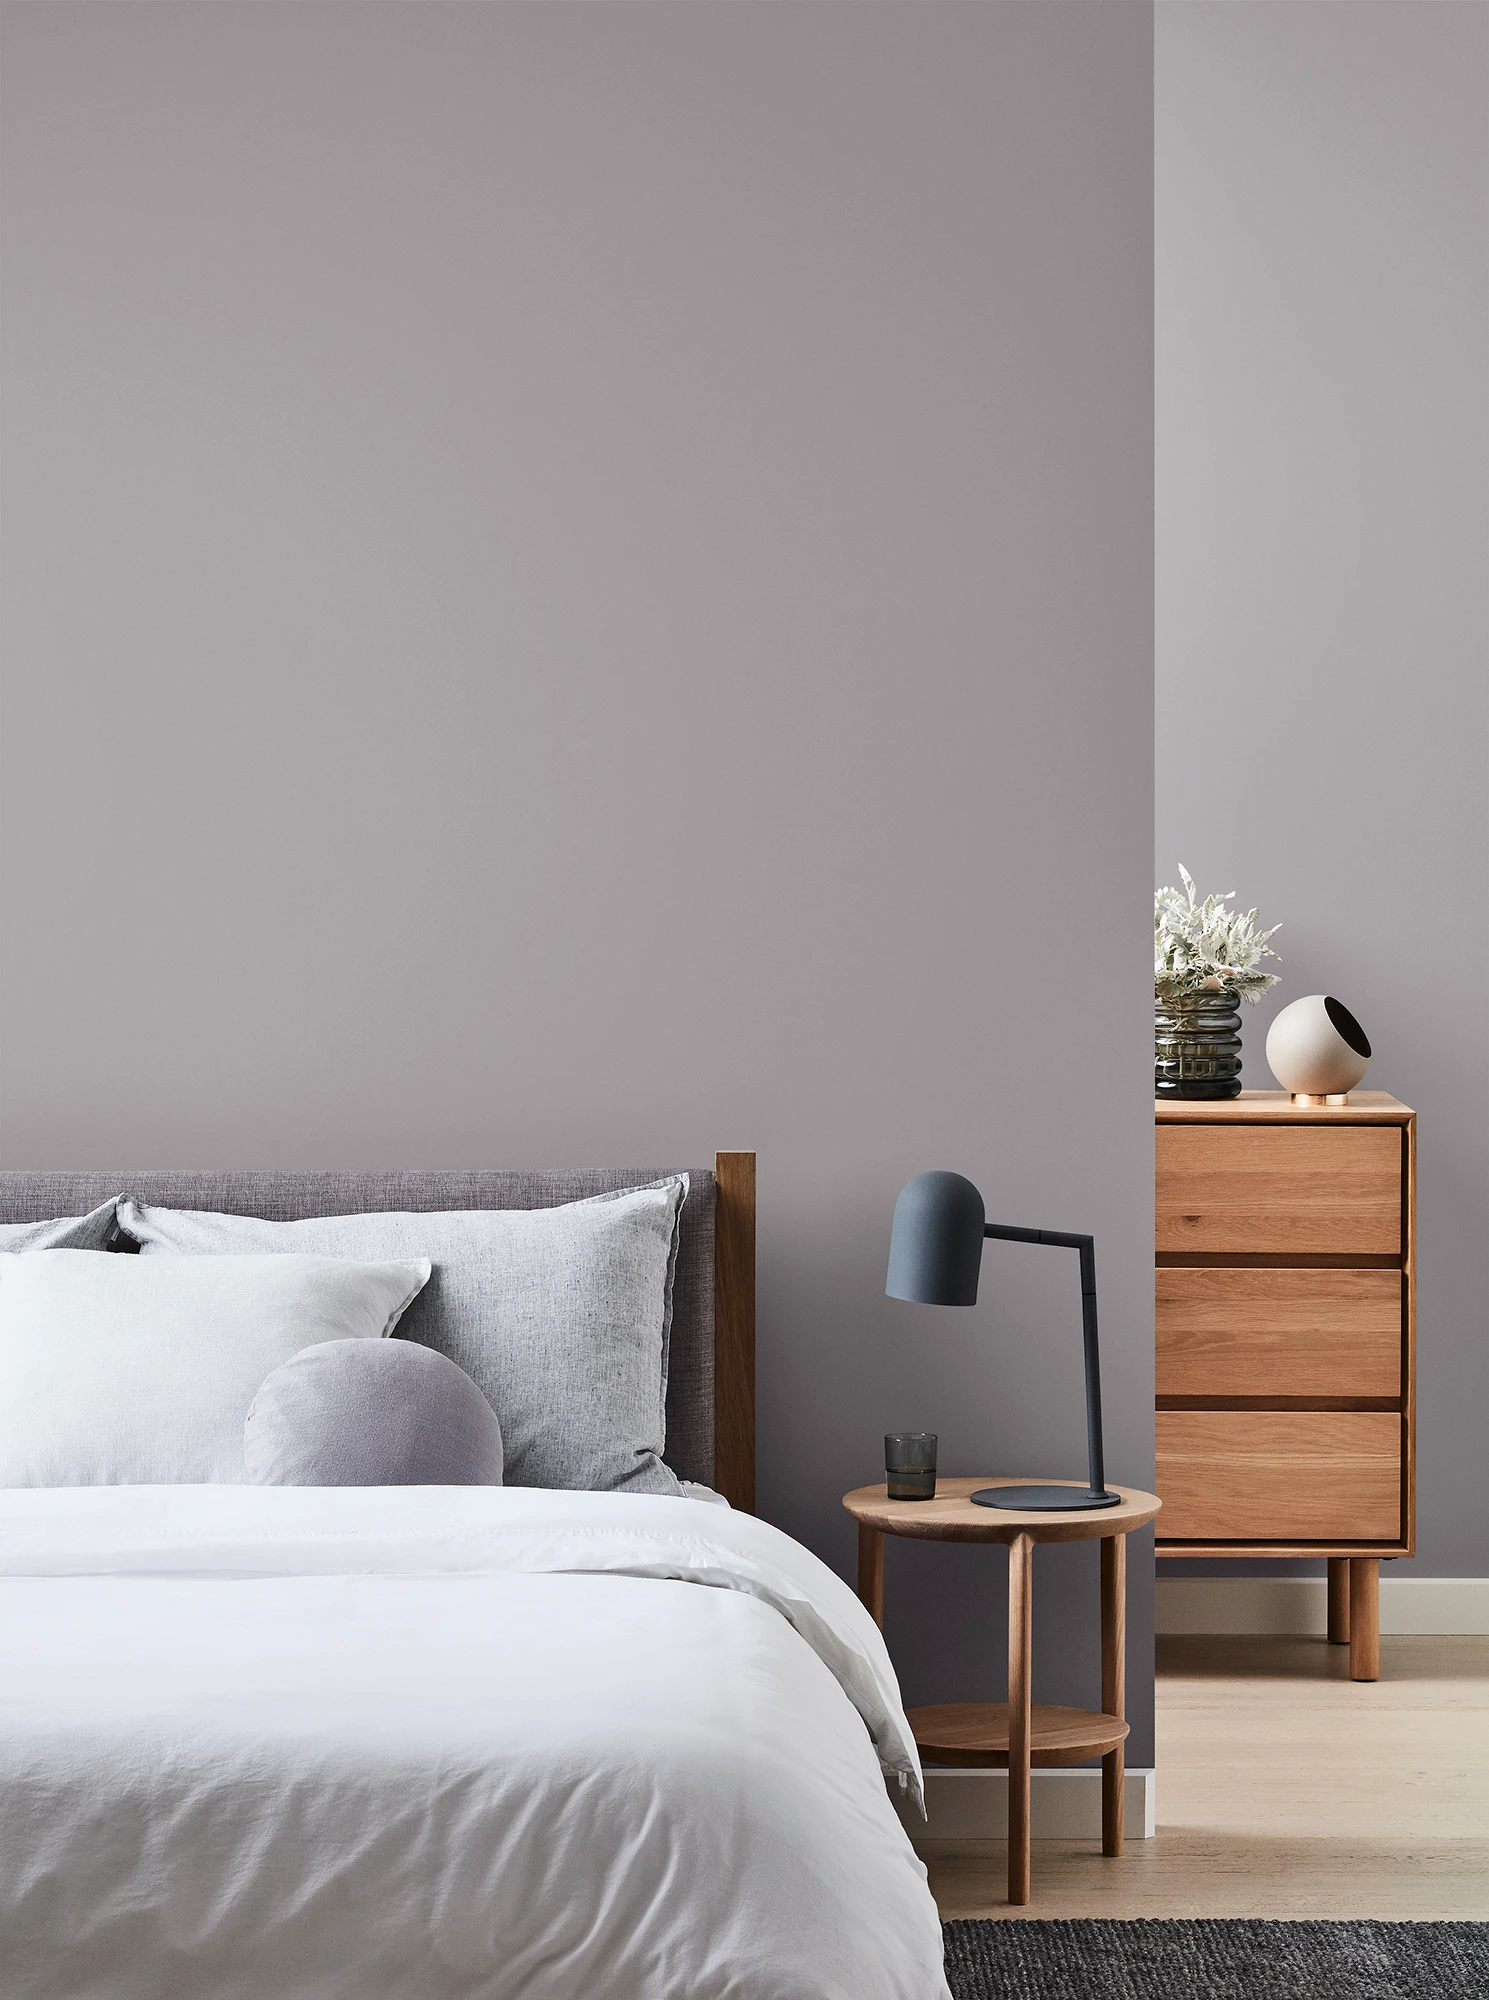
x: 910, y: 1464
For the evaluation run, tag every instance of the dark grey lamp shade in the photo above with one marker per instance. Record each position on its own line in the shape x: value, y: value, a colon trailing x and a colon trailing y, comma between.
x: 935, y: 1247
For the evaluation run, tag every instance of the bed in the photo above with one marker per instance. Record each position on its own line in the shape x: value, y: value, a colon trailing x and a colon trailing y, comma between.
x: 501, y: 1743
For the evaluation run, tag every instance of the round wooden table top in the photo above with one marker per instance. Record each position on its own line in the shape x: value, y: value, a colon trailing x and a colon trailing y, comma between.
x: 951, y: 1516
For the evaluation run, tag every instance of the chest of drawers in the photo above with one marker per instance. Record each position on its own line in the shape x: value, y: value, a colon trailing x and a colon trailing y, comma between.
x: 1286, y: 1338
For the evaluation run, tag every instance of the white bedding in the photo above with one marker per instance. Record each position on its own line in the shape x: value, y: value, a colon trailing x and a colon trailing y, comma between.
x: 424, y: 1742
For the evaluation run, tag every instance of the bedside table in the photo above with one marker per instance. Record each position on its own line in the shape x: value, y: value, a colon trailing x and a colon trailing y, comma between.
x: 1017, y: 1734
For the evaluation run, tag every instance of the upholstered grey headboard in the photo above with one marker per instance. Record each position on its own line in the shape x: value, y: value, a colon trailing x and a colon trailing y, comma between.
x: 695, y: 1423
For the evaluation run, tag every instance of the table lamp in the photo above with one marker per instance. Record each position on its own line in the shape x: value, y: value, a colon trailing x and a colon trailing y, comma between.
x: 935, y: 1253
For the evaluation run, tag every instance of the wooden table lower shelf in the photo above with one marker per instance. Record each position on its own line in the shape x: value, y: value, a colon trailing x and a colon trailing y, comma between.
x: 976, y: 1733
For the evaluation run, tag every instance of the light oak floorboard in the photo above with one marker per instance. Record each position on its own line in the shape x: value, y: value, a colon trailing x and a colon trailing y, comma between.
x: 1285, y: 1789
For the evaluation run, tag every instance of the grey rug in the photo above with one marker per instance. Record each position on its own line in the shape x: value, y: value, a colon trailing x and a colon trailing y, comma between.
x: 1224, y: 1959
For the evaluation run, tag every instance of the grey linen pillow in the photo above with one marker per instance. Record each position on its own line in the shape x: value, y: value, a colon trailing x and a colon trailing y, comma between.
x: 559, y: 1315
x: 371, y: 1413
x: 68, y: 1232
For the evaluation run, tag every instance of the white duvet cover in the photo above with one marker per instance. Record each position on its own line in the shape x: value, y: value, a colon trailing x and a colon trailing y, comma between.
x: 425, y: 1742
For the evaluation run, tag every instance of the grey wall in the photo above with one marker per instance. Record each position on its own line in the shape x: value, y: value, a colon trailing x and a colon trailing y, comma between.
x: 578, y: 588
x: 1322, y: 225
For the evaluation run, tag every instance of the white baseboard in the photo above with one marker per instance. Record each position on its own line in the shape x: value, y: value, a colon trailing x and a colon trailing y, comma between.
x: 1063, y: 1805
x: 1409, y: 1605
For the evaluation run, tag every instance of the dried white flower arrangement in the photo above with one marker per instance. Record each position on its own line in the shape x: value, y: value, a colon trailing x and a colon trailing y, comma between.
x: 1204, y: 947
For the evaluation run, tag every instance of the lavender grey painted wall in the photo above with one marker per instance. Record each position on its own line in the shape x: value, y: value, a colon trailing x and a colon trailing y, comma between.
x: 579, y: 588
x: 1322, y: 223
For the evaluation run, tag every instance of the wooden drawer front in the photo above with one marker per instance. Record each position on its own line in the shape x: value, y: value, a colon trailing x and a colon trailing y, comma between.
x: 1280, y: 1475
x: 1279, y: 1333
x: 1264, y: 1189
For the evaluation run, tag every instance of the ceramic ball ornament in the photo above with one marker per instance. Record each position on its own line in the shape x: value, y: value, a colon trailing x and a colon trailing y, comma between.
x: 1317, y: 1049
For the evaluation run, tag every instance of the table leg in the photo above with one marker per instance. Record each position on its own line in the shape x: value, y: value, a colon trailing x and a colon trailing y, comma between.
x: 1364, y: 1618
x: 1339, y: 1600
x: 1113, y: 1684
x: 1020, y: 1639
x: 871, y: 1572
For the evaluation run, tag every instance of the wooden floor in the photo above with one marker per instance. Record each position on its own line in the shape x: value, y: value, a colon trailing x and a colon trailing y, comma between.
x: 1285, y: 1789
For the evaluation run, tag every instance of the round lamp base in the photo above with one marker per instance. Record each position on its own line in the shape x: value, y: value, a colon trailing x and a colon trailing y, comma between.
x: 1043, y: 1499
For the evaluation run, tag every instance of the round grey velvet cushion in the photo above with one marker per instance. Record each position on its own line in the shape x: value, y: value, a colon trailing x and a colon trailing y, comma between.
x: 371, y: 1413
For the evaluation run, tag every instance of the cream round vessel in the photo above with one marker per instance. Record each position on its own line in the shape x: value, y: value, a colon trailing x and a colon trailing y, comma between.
x: 1317, y: 1049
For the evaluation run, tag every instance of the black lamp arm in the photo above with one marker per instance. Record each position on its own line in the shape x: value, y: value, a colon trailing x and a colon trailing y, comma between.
x: 1086, y: 1245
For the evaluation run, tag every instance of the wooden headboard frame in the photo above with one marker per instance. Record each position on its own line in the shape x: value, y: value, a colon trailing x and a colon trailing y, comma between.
x: 734, y: 1328
x: 725, y: 1376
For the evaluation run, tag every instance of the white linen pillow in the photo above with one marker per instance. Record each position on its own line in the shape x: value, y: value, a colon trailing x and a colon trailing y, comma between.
x: 68, y: 1232
x: 121, y: 1371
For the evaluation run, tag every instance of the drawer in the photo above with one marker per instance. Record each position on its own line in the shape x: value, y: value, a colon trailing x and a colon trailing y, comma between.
x: 1279, y: 1332
x: 1268, y: 1189
x: 1280, y: 1475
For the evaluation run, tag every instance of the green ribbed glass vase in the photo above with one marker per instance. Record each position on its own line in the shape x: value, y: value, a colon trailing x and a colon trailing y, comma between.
x: 1197, y: 1045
